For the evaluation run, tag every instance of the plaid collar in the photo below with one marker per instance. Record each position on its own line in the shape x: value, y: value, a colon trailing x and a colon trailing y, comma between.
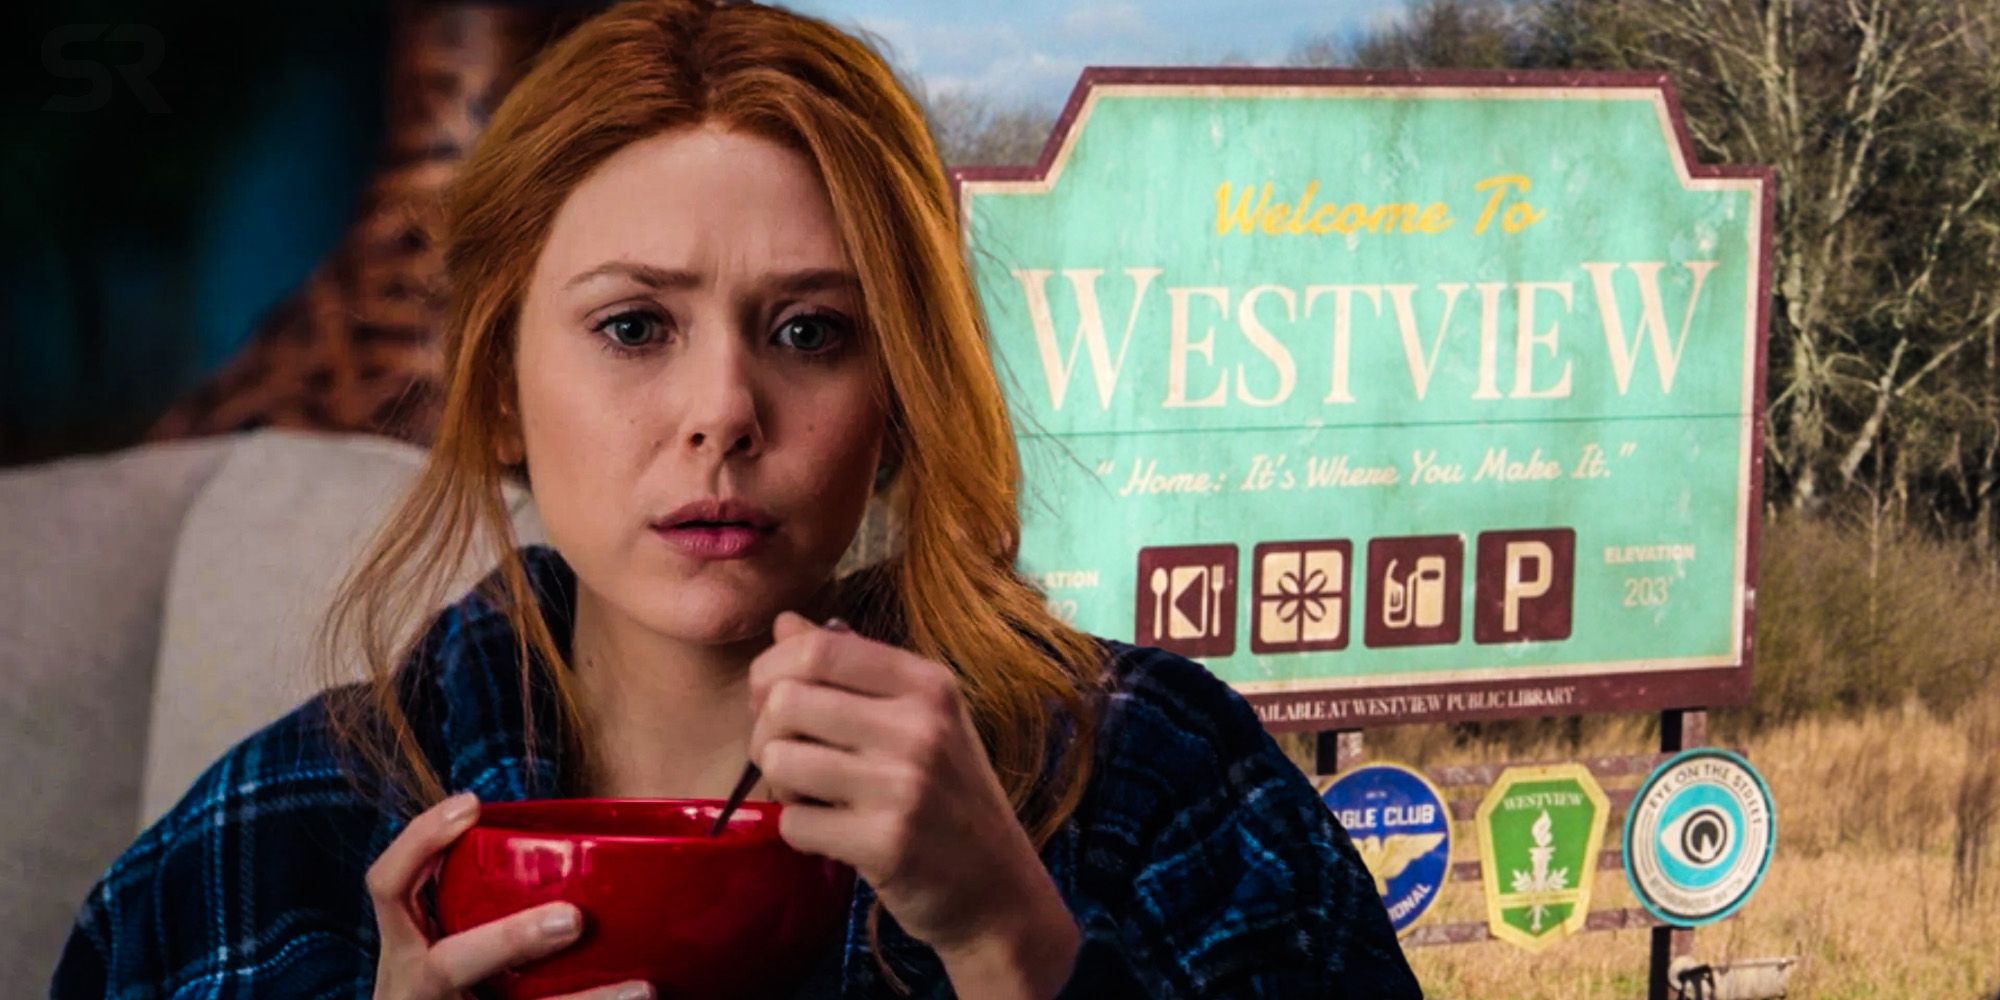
x: 478, y: 675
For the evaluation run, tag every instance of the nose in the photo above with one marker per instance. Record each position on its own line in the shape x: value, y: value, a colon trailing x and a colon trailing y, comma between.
x: 719, y: 385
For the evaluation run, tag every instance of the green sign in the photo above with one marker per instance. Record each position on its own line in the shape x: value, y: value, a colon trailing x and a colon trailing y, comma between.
x: 1388, y: 402
x: 1540, y: 830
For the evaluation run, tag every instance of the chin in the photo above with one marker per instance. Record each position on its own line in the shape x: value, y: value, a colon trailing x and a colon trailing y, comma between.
x: 713, y: 615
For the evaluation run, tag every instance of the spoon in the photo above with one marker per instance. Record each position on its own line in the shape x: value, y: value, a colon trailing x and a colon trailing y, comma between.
x: 751, y: 774
x: 1159, y: 582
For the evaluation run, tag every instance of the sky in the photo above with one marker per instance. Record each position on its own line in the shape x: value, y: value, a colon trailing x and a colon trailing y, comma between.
x: 1028, y: 52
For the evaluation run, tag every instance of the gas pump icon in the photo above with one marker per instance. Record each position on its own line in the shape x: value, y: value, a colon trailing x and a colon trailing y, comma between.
x: 1415, y: 600
x: 1414, y: 590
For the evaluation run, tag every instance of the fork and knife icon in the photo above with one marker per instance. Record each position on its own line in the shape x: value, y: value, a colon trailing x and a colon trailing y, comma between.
x: 1187, y: 600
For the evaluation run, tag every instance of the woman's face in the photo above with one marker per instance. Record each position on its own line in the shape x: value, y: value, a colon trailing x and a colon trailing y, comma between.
x: 693, y: 332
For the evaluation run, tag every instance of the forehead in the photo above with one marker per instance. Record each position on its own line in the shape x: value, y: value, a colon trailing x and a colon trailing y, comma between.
x: 701, y: 198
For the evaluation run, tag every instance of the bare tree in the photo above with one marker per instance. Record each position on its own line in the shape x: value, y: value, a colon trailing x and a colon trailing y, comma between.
x: 1431, y: 34
x: 1824, y: 91
x: 970, y: 131
x: 1881, y: 119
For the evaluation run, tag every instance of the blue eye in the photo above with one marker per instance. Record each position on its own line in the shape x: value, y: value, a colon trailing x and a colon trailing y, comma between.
x: 627, y: 331
x: 812, y: 333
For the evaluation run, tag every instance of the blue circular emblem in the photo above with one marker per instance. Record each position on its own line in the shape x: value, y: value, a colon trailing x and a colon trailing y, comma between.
x: 1699, y: 836
x: 1400, y: 825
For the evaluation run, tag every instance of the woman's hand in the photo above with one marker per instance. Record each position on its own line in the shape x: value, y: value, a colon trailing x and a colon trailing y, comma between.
x: 413, y: 968
x: 875, y: 756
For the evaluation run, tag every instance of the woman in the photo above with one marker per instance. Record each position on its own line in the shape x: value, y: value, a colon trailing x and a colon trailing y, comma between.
x: 708, y: 303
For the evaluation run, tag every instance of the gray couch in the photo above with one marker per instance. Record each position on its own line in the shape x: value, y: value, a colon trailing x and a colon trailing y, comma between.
x: 158, y: 606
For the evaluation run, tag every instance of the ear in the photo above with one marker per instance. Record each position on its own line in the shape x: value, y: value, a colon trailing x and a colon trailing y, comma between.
x: 507, y: 444
x: 890, y: 462
x: 508, y: 449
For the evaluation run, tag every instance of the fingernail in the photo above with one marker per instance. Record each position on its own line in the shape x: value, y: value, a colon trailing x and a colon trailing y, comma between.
x: 459, y: 806
x: 635, y: 991
x: 838, y: 625
x: 560, y: 923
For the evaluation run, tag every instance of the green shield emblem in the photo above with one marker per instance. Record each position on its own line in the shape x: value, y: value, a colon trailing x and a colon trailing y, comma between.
x: 1540, y: 831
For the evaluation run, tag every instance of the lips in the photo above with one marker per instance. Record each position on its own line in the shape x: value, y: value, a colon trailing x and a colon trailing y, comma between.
x: 726, y: 542
x: 718, y: 512
x: 716, y: 528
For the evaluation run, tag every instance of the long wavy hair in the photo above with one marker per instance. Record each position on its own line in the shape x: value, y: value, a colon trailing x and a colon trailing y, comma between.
x: 949, y: 591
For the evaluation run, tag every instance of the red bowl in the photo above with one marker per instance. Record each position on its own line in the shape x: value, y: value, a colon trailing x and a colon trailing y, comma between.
x: 741, y: 914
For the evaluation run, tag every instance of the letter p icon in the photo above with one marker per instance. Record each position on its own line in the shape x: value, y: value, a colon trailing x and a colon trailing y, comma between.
x: 1524, y: 585
x: 1520, y: 587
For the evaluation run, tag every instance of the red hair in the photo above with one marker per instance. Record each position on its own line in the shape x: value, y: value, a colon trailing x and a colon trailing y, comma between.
x: 949, y: 592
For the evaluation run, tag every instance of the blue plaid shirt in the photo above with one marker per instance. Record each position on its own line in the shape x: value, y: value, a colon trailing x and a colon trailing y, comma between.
x: 1200, y: 863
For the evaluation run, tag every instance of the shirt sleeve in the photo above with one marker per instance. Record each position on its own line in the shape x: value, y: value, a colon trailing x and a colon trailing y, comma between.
x: 115, y: 948
x: 250, y: 886
x: 80, y: 970
x: 146, y: 931
x: 1241, y: 882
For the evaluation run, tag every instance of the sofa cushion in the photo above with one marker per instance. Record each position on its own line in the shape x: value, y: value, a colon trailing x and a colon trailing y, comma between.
x: 260, y: 553
x: 86, y: 543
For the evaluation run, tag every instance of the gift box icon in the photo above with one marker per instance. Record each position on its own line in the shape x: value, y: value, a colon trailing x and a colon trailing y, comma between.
x: 1302, y: 590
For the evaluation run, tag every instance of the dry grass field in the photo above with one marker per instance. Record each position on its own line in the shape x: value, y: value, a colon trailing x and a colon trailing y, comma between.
x: 1876, y: 722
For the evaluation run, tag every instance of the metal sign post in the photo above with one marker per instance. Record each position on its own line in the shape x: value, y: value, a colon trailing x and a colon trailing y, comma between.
x: 1679, y: 730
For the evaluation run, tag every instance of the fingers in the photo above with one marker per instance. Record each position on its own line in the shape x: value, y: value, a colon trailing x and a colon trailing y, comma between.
x: 469, y: 956
x: 789, y: 624
x: 833, y: 832
x: 637, y: 989
x: 839, y: 658
x: 393, y: 875
x: 800, y: 771
x: 797, y: 710
x: 459, y: 961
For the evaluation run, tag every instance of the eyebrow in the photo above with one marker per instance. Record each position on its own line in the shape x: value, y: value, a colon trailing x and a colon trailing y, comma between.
x: 794, y: 282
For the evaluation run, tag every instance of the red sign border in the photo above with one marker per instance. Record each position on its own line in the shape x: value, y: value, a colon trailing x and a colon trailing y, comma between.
x: 1400, y: 704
